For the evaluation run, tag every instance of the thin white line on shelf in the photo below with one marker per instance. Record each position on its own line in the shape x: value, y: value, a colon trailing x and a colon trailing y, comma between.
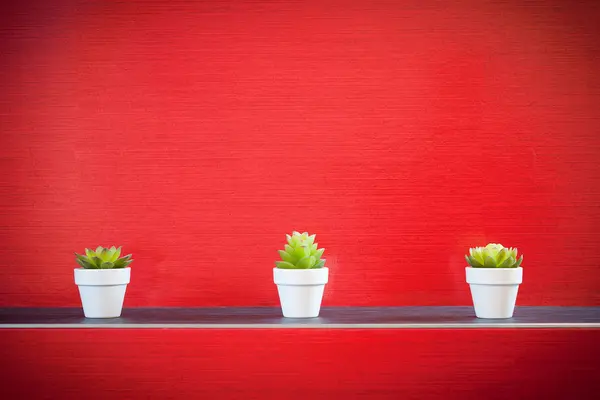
x: 484, y: 325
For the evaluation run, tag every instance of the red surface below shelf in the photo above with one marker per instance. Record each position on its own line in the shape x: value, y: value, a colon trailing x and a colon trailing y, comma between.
x: 300, y: 364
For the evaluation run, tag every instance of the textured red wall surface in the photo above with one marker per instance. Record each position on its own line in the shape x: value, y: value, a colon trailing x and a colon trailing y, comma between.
x: 300, y: 364
x: 196, y: 134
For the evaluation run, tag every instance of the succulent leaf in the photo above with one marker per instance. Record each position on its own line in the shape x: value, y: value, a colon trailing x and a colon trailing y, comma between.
x: 107, y: 254
x: 476, y: 254
x: 96, y: 261
x: 474, y: 262
x: 294, y: 242
x: 89, y: 253
x: 110, y: 254
x: 489, y: 262
x: 319, y: 253
x: 502, y: 255
x: 123, y: 262
x: 301, y: 252
x: 518, y: 263
x: 303, y: 263
x: 83, y: 261
x: 507, y: 263
x: 494, y: 255
x: 286, y: 256
x: 117, y: 254
x: 284, y: 265
x: 306, y: 262
x: 103, y: 258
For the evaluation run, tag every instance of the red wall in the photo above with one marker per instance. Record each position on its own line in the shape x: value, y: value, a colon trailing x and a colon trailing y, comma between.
x: 197, y: 134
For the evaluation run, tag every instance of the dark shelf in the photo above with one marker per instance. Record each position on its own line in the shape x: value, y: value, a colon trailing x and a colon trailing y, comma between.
x: 331, y: 317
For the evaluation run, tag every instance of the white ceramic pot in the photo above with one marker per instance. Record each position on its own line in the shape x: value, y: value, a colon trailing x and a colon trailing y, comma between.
x: 494, y: 290
x: 300, y: 291
x: 102, y: 291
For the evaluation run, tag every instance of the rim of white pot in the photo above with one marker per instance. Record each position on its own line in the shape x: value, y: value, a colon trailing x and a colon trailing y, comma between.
x: 301, y: 277
x: 102, y: 277
x: 494, y: 276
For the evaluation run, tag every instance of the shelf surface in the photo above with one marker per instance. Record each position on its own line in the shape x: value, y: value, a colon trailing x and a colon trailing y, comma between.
x: 331, y: 317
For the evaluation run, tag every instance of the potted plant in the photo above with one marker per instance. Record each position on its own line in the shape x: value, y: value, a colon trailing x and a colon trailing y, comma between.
x: 494, y: 275
x: 102, y: 280
x: 300, y: 276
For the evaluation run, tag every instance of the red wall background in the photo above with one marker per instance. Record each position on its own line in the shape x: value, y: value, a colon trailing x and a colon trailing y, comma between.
x: 196, y: 134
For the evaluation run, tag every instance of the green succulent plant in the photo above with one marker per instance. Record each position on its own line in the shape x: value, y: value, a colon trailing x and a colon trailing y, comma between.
x: 301, y: 252
x: 493, y: 255
x: 103, y: 258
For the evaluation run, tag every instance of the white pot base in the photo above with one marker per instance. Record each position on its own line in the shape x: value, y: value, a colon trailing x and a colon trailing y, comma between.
x: 494, y: 291
x: 494, y: 301
x: 102, y: 291
x: 102, y: 301
x: 300, y: 301
x: 300, y: 291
